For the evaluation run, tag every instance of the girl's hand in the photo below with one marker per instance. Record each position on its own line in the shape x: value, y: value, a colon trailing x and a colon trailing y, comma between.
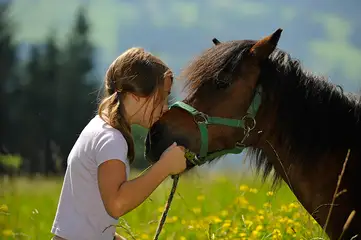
x: 173, y: 159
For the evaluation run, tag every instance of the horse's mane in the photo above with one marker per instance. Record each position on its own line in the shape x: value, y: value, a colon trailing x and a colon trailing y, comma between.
x: 313, y: 116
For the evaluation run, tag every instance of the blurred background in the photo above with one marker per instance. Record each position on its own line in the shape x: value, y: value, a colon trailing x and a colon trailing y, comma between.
x: 54, y: 54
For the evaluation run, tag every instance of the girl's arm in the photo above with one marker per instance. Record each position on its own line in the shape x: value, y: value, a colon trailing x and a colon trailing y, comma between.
x: 121, y: 196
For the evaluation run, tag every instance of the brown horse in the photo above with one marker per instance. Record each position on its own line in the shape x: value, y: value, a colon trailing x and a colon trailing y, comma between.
x: 249, y: 93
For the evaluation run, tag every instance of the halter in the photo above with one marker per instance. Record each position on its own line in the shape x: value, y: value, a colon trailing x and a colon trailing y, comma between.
x: 206, y: 120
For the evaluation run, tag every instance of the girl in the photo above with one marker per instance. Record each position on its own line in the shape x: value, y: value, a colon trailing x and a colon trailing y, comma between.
x: 96, y: 190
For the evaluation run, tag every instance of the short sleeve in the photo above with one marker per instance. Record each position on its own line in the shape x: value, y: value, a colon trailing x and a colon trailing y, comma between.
x: 111, y: 145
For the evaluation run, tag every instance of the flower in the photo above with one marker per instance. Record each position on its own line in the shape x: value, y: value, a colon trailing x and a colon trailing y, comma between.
x: 243, y: 188
x: 270, y: 193
x: 200, y: 197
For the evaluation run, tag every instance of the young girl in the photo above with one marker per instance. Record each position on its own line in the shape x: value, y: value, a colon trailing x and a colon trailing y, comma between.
x: 96, y: 190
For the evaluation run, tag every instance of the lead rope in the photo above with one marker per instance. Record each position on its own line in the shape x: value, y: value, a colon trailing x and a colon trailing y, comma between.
x: 167, y: 207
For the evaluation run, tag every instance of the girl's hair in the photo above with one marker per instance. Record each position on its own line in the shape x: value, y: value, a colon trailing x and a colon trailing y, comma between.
x: 135, y: 71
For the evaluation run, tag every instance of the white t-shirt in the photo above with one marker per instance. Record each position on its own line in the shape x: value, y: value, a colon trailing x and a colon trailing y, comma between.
x: 81, y: 214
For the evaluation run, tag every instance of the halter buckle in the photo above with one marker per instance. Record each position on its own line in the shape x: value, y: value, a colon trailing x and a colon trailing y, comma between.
x: 203, y: 117
x: 253, y: 122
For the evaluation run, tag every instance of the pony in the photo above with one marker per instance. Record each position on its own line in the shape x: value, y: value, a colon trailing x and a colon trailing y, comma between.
x: 297, y: 127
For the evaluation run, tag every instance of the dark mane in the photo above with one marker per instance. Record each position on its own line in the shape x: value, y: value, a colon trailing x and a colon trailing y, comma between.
x: 215, y: 65
x: 308, y: 107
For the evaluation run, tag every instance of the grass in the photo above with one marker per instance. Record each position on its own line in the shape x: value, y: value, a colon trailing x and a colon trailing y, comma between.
x: 205, y: 206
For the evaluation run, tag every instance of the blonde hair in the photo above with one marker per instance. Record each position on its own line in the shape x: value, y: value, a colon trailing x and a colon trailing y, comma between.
x: 135, y: 71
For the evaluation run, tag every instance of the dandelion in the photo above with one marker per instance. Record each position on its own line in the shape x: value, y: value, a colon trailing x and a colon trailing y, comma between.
x: 172, y: 219
x: 8, y: 232
x: 234, y: 230
x: 284, y: 208
x: 243, y: 188
x: 241, y: 200
x: 242, y: 234
x: 266, y: 205
x: 4, y: 208
x: 200, y: 197
x: 144, y: 236
x: 296, y: 215
x: 253, y: 190
x: 289, y: 230
x: 259, y: 228
x: 293, y: 205
x: 226, y: 224
x: 260, y: 218
x: 182, y: 238
x: 248, y: 223
x: 276, y: 234
x: 224, y: 213
x: 196, y: 210
x: 269, y: 194
x: 215, y: 219
x: 251, y: 208
x: 255, y: 233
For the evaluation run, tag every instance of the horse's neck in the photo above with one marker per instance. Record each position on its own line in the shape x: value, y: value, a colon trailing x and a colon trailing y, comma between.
x: 314, y: 186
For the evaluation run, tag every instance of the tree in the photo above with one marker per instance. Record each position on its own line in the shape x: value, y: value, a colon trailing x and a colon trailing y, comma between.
x: 7, y: 63
x: 50, y: 74
x: 75, y: 101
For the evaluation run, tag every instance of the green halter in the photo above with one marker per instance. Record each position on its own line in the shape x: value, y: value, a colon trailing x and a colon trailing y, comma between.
x: 208, y: 120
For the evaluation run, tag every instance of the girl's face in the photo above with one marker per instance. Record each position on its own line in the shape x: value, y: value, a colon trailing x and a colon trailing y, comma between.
x: 156, y: 107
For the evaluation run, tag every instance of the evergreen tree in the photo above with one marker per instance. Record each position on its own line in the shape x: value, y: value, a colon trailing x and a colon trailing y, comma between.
x: 7, y: 64
x: 50, y: 74
x: 75, y: 100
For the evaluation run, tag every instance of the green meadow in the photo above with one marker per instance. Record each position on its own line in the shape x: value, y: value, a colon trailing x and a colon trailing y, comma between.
x: 205, y: 206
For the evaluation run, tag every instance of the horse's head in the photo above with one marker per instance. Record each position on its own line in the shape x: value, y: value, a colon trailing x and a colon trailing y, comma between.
x: 220, y: 111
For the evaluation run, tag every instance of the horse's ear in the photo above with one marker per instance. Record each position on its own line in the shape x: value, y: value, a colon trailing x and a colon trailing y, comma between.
x: 264, y: 47
x: 216, y: 41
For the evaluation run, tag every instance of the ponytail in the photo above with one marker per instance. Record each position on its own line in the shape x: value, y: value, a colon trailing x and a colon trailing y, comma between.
x: 115, y: 112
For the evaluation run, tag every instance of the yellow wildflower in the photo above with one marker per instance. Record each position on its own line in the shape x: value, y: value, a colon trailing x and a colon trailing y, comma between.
x: 251, y: 208
x: 255, y: 233
x: 200, y: 197
x: 243, y: 188
x: 266, y: 205
x: 289, y: 231
x: 7, y: 232
x: 283, y: 208
x: 276, y: 234
x: 215, y: 219
x: 253, y: 190
x: 270, y: 193
x: 248, y: 223
x: 144, y: 236
x: 196, y: 210
x: 172, y: 219
x: 226, y: 224
x: 260, y: 218
x: 224, y: 213
x: 259, y: 228
x: 241, y: 200
x: 296, y: 215
x: 4, y: 208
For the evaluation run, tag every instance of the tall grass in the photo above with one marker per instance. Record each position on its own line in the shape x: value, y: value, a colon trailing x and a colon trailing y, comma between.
x: 206, y: 206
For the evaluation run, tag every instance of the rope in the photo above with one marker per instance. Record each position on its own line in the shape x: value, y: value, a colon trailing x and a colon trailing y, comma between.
x: 167, y: 206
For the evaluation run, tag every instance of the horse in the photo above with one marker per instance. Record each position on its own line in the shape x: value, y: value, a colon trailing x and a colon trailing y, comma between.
x: 298, y: 127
